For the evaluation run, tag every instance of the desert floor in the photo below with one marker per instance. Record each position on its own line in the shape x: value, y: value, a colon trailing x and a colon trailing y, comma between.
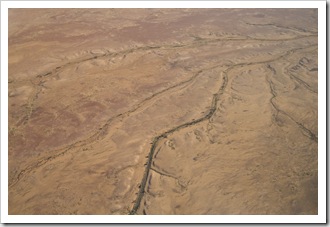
x: 163, y: 111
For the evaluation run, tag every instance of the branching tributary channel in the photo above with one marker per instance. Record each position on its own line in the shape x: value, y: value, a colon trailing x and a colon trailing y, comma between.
x: 212, y: 109
x: 157, y: 139
x: 91, y: 138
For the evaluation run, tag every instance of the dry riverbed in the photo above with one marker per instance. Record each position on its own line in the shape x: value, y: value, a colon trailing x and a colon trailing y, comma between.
x: 163, y: 111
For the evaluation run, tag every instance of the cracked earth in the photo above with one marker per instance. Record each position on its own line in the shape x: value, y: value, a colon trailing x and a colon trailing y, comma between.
x: 163, y: 111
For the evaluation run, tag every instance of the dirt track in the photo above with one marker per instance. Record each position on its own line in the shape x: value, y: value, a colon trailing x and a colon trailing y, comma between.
x: 163, y: 111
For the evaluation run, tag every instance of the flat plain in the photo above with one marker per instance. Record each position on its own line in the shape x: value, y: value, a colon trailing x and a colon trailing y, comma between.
x: 163, y: 111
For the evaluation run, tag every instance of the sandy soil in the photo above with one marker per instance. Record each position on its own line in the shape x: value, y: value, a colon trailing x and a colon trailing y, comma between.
x: 163, y: 111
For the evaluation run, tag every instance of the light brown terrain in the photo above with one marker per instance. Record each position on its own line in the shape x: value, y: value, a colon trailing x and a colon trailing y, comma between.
x: 163, y: 111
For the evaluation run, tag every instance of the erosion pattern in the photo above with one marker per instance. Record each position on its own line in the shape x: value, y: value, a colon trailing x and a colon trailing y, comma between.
x: 163, y: 111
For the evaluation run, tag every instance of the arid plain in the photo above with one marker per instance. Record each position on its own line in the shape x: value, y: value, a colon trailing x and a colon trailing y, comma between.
x: 163, y: 111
